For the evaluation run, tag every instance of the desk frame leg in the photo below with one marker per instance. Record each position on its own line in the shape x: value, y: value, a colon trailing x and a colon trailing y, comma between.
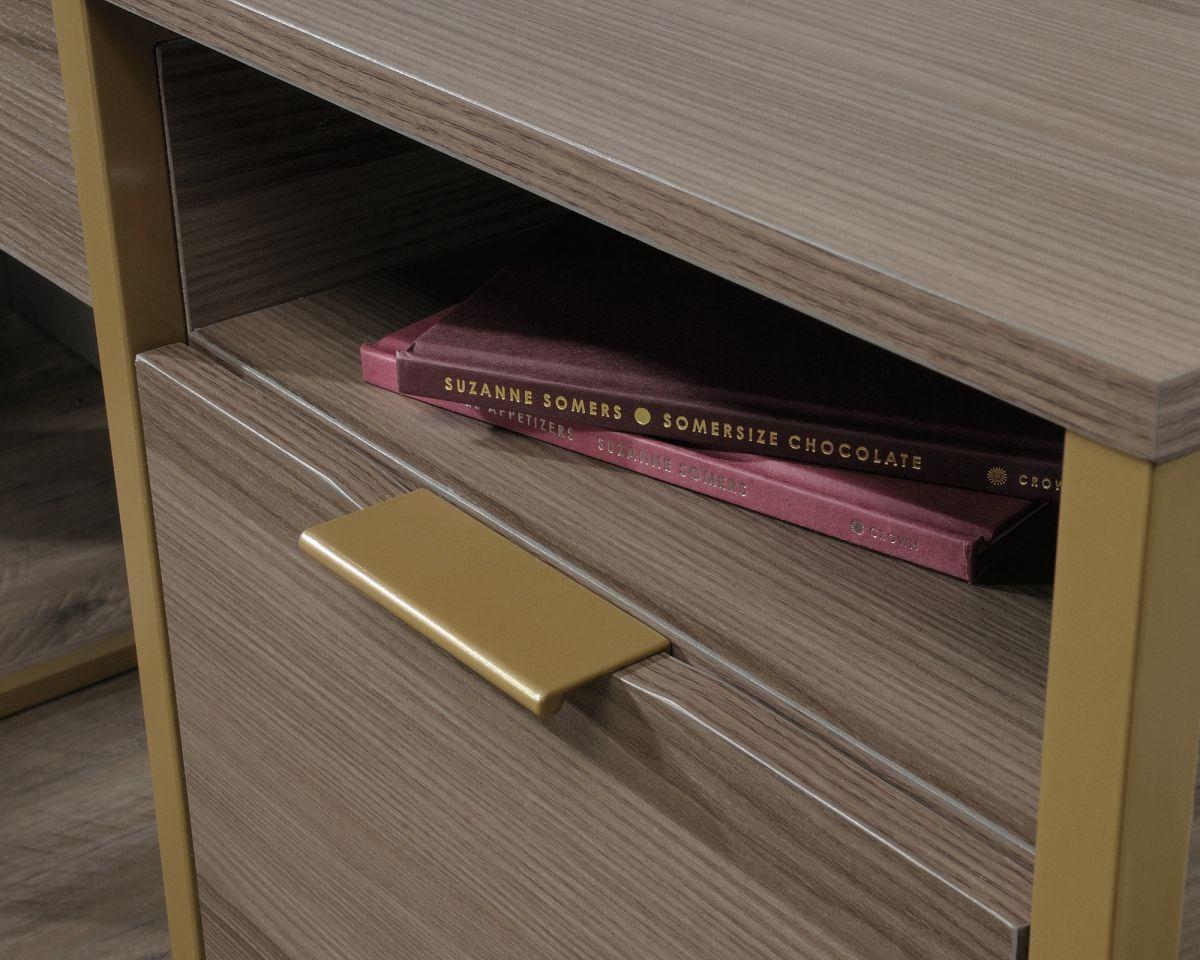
x: 110, y: 78
x: 1122, y: 712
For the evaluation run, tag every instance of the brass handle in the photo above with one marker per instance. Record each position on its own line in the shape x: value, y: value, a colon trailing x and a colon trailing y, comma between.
x: 519, y: 623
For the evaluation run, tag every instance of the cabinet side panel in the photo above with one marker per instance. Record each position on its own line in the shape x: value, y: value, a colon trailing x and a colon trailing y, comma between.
x: 39, y: 212
x: 279, y: 193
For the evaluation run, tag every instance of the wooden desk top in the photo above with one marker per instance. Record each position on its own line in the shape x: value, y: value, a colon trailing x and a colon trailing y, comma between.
x: 1006, y: 191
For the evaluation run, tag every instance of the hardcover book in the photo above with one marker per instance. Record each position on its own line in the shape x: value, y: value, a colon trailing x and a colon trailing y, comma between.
x: 593, y: 327
x: 962, y: 533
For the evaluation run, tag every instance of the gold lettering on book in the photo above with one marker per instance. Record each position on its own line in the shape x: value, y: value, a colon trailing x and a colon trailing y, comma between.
x: 894, y: 539
x: 1040, y: 483
x: 890, y: 537
x: 702, y: 428
x: 651, y: 460
x: 714, y: 480
x: 848, y: 450
x: 719, y: 429
x: 581, y: 406
x: 538, y: 424
x: 504, y: 392
x: 464, y: 388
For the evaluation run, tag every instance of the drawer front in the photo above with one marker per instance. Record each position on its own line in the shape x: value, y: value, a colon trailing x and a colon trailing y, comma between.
x: 355, y: 792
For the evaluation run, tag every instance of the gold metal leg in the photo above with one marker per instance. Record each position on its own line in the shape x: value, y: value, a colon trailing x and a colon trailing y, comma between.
x: 111, y: 83
x: 1123, y: 710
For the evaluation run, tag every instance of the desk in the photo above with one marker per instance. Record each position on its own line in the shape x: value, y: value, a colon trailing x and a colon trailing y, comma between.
x: 1004, y: 193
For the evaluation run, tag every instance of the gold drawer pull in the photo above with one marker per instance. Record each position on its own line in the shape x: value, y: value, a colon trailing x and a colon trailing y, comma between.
x: 519, y: 623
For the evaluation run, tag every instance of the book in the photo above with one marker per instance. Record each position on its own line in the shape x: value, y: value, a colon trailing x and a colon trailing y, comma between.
x: 961, y: 533
x: 593, y: 327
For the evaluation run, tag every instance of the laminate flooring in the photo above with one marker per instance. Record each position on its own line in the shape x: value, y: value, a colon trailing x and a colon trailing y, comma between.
x: 79, y: 868
x: 62, y: 572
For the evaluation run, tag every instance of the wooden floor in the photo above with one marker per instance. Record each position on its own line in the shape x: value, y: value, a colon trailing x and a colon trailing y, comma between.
x: 79, y: 870
x: 62, y: 575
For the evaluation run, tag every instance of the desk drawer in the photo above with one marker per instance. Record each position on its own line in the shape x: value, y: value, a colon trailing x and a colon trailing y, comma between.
x: 355, y: 792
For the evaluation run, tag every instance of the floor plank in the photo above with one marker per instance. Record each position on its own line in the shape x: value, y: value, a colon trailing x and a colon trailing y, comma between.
x: 62, y: 576
x: 80, y: 875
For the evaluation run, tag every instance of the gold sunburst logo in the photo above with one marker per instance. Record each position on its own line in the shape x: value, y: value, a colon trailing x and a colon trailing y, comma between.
x: 997, y: 476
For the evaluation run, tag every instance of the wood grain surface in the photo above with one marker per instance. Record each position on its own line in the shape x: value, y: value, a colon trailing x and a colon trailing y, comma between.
x: 279, y: 193
x: 1006, y: 191
x: 945, y: 679
x: 39, y: 211
x: 62, y: 573
x: 436, y: 814
x: 80, y: 877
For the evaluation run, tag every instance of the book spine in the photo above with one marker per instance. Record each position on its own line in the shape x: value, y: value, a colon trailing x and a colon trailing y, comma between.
x: 1029, y: 478
x: 722, y: 480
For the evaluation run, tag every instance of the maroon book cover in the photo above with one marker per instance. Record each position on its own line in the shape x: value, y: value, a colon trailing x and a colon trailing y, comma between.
x: 958, y: 532
x: 596, y: 328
